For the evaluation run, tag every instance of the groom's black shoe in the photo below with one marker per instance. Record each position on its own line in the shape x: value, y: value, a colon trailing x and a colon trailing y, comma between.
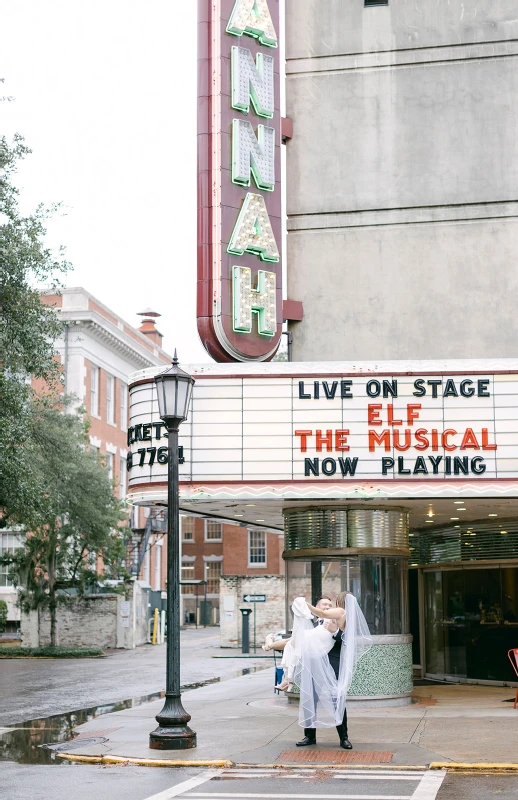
x: 346, y: 744
x: 306, y: 740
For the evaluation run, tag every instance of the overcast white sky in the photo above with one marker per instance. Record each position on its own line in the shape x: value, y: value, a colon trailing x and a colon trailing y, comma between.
x: 105, y: 95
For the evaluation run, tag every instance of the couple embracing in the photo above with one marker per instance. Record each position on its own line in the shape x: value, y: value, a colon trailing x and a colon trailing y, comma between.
x: 320, y: 658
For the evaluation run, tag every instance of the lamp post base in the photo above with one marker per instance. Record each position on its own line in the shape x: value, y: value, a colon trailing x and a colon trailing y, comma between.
x: 178, y: 737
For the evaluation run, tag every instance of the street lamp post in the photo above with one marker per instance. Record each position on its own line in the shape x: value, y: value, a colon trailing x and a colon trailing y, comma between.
x: 174, y: 390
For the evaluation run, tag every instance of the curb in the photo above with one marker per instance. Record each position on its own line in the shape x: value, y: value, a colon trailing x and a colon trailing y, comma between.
x: 450, y: 766
x: 488, y: 766
x: 143, y: 762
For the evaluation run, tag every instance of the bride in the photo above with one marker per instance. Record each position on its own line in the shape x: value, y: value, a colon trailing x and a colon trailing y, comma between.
x: 324, y: 677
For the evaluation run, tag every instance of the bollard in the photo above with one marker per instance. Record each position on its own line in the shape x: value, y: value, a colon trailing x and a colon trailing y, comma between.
x: 155, y: 627
x: 245, y: 636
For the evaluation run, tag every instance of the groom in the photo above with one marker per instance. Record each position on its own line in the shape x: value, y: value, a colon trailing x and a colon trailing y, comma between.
x: 310, y: 734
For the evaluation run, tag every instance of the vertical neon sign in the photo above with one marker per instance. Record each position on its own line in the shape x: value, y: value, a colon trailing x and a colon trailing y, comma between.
x: 239, y: 195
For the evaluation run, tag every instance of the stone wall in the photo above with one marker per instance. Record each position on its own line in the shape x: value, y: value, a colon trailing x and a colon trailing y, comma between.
x: 97, y: 620
x: 270, y: 616
x: 90, y: 622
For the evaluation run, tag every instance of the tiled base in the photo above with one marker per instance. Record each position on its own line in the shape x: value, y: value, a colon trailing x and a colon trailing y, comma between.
x: 310, y: 756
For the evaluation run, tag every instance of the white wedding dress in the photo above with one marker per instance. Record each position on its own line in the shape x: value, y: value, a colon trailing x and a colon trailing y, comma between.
x: 322, y: 694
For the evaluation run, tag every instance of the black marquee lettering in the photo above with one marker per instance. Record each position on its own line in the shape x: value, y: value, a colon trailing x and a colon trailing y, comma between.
x: 435, y: 461
x: 419, y: 387
x: 329, y: 466
x: 401, y: 466
x: 311, y: 467
x: 302, y: 394
x: 460, y: 464
x: 373, y: 388
x: 477, y: 465
x: 450, y: 390
x: 390, y: 388
x: 420, y: 467
x: 465, y: 392
x: 345, y: 388
x: 330, y: 392
x: 348, y: 466
x: 435, y: 385
x: 386, y: 465
x: 482, y: 388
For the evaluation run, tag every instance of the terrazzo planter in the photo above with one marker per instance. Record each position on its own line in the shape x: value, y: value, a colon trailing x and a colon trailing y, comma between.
x: 383, y: 677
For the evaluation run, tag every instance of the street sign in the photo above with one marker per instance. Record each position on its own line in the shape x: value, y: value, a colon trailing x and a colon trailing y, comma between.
x: 254, y: 598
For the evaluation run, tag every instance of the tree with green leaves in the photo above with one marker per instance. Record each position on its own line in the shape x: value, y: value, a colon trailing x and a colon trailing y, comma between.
x: 76, y: 526
x: 28, y: 330
x: 51, y: 486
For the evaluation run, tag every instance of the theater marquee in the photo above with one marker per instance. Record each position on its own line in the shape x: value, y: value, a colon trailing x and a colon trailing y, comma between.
x: 239, y: 194
x: 298, y: 423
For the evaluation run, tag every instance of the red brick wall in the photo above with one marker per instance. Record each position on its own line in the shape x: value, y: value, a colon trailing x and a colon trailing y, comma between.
x: 235, y: 553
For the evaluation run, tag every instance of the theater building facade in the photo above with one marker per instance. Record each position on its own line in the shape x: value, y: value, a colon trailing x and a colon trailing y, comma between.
x: 397, y: 481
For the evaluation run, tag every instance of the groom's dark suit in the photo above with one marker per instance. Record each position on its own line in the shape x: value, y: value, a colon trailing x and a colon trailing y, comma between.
x: 334, y: 660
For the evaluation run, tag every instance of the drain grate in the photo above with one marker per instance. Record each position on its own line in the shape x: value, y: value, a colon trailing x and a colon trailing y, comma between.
x: 337, y: 757
x: 74, y: 744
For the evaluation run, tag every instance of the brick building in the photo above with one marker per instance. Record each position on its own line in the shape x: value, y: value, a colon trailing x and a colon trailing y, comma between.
x: 98, y: 351
x: 212, y: 550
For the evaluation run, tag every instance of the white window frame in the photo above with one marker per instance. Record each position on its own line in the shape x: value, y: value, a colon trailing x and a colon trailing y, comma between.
x: 110, y: 399
x: 110, y: 465
x: 206, y: 536
x: 184, y: 539
x: 95, y: 379
x: 123, y: 478
x: 257, y: 564
x: 207, y: 564
x: 11, y: 540
x: 124, y: 405
x: 188, y: 565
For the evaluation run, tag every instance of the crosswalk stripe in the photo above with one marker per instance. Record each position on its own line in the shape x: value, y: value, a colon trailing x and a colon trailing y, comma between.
x: 180, y: 788
x: 391, y: 777
x: 429, y: 786
x: 243, y: 796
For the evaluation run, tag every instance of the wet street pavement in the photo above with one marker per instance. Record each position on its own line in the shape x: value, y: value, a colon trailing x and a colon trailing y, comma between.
x: 138, y: 783
x: 34, y: 688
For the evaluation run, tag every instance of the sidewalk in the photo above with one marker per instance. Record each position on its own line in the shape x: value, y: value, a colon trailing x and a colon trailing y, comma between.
x: 241, y: 720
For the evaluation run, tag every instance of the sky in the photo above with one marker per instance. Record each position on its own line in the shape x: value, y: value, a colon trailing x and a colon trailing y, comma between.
x: 105, y: 96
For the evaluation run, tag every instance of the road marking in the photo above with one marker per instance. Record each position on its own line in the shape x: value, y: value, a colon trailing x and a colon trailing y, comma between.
x: 243, y: 796
x: 391, y: 777
x: 429, y: 787
x: 180, y: 788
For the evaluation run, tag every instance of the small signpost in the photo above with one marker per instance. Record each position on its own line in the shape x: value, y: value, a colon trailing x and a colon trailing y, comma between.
x: 254, y: 598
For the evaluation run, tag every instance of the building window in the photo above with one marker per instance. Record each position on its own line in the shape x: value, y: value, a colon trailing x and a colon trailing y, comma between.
x: 256, y: 548
x: 188, y: 529
x: 376, y: 3
x: 124, y: 406
x: 110, y: 399
x: 110, y: 461
x: 123, y: 482
x: 94, y: 391
x: 9, y: 543
x: 212, y: 576
x: 213, y: 531
x: 188, y: 575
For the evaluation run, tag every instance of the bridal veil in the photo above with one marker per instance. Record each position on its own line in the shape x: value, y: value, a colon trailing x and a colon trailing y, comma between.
x: 322, y: 695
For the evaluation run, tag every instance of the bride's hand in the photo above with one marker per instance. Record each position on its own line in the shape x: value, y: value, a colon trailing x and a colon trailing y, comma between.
x: 331, y: 626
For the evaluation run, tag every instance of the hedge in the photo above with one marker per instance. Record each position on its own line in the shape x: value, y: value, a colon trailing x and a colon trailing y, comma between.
x: 51, y: 652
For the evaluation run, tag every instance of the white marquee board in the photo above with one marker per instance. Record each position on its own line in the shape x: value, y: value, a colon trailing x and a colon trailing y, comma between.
x: 416, y: 425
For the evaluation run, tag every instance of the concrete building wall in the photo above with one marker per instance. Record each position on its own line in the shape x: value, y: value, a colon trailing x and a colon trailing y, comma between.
x: 270, y: 616
x: 402, y: 178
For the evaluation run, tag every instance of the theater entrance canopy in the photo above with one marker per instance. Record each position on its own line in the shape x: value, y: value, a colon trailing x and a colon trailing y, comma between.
x: 261, y: 438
